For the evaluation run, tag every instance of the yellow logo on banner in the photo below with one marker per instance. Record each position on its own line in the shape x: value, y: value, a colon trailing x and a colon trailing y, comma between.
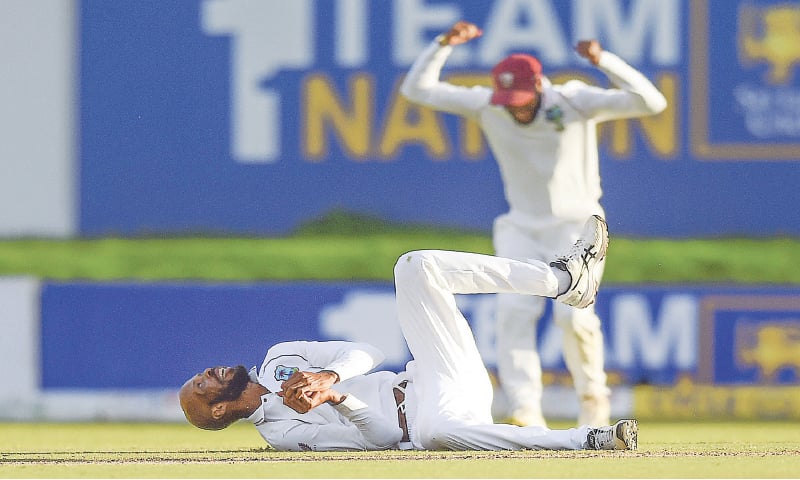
x: 690, y: 400
x: 771, y: 347
x: 771, y: 34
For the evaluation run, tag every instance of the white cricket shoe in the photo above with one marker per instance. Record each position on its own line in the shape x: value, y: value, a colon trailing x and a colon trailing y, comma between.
x: 582, y: 261
x: 623, y: 435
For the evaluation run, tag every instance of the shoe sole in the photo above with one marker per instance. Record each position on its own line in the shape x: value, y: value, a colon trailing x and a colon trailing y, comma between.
x: 629, y: 434
x: 601, y: 256
x: 604, y: 245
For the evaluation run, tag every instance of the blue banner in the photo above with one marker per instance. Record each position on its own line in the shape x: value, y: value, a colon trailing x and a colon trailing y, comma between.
x: 241, y: 117
x: 142, y: 335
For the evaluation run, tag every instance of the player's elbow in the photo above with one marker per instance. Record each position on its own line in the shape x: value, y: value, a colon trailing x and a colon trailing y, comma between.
x: 415, y: 91
x: 405, y: 88
x: 411, y: 91
x: 657, y: 104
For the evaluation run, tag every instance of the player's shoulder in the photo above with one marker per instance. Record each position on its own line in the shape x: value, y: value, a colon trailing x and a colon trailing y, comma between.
x: 294, y: 347
x: 472, y: 98
x: 574, y: 93
x: 571, y: 87
x: 285, y: 345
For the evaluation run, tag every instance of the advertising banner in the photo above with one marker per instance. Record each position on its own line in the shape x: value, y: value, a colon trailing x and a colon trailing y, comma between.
x: 242, y: 117
x: 120, y: 351
x: 156, y: 335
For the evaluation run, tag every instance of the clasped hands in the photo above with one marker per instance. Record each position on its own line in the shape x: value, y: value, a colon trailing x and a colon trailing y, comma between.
x: 306, y: 390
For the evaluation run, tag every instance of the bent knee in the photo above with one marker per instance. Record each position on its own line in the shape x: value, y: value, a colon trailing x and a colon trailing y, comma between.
x: 576, y: 319
x: 410, y: 263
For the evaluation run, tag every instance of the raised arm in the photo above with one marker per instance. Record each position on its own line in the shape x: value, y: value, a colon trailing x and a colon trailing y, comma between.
x: 422, y: 84
x: 635, y: 94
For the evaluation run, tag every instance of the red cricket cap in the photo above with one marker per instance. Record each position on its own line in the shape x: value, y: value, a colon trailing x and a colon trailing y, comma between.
x: 515, y: 80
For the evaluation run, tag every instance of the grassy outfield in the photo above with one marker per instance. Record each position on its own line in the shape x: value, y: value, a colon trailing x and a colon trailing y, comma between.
x: 343, y: 246
x: 666, y: 450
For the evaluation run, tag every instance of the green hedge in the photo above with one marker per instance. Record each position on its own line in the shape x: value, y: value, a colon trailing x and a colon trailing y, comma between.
x: 345, y: 246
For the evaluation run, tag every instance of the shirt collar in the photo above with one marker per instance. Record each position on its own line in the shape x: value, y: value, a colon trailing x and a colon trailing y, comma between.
x: 257, y: 417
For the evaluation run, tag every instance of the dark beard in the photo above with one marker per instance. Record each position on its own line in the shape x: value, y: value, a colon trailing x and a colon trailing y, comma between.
x: 235, y: 385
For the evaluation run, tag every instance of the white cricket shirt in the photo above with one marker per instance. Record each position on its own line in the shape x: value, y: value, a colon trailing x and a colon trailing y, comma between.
x: 550, y: 167
x: 365, y: 420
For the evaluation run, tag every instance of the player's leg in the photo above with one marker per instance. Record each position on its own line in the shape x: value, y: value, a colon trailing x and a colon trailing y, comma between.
x: 584, y: 355
x: 519, y: 370
x: 455, y: 435
x: 450, y: 376
x: 452, y: 382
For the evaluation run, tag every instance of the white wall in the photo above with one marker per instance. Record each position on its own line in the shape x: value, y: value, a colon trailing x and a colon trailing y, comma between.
x: 19, y: 342
x: 38, y: 126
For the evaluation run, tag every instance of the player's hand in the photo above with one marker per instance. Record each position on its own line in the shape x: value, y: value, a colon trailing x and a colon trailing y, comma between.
x: 590, y: 50
x: 303, y: 382
x: 305, y: 402
x: 461, y: 32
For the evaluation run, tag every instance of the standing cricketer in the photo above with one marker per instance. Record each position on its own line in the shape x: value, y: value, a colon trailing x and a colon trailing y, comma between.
x: 543, y: 137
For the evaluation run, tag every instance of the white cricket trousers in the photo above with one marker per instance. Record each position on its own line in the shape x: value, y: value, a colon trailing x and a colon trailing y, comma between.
x: 518, y: 364
x: 452, y: 393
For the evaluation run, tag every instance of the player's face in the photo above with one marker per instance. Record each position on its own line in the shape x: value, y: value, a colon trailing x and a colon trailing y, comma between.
x: 524, y: 113
x: 220, y: 384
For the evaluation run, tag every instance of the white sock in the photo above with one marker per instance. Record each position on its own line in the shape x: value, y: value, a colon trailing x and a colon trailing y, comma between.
x: 564, y: 279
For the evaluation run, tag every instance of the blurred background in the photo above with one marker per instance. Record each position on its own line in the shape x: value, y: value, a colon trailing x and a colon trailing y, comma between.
x: 246, y: 119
